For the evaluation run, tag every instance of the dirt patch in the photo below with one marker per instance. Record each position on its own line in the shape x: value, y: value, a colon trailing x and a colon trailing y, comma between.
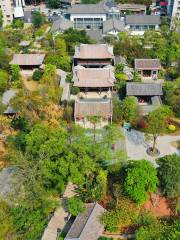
x: 158, y: 205
x: 31, y: 85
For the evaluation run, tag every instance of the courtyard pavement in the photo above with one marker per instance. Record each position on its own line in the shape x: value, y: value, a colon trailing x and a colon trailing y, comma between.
x: 136, y: 145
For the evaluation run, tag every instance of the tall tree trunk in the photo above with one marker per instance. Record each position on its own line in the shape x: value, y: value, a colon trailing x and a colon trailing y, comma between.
x: 154, y: 144
x: 94, y: 132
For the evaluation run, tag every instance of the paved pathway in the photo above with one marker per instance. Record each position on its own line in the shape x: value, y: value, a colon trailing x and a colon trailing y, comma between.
x: 65, y: 86
x: 136, y: 145
x: 60, y: 217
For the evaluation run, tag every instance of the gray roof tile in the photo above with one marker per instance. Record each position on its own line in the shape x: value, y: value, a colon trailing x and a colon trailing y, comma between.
x: 144, y: 89
x: 86, y: 9
x: 87, y: 225
x: 142, y: 19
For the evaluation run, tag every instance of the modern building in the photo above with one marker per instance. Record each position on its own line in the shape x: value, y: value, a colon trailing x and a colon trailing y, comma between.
x: 148, y: 95
x: 87, y: 16
x: 11, y: 9
x: 131, y: 8
x: 87, y: 224
x: 147, y: 68
x: 28, y: 61
x: 93, y: 55
x: 138, y: 24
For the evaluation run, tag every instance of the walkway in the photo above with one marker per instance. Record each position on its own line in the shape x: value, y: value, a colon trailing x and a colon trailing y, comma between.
x: 136, y: 145
x: 65, y: 86
x: 60, y: 217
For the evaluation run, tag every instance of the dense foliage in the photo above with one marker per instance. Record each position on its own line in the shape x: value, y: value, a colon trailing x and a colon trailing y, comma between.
x: 141, y: 179
x: 169, y: 175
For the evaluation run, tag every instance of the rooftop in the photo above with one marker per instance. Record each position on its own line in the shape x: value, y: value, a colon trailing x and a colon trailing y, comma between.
x: 28, y: 59
x: 87, y: 225
x: 113, y: 24
x: 61, y: 25
x: 93, y: 107
x: 144, y: 89
x: 147, y: 64
x: 24, y: 43
x: 142, y: 19
x: 94, y: 51
x: 86, y: 9
x: 94, y: 77
x: 131, y: 6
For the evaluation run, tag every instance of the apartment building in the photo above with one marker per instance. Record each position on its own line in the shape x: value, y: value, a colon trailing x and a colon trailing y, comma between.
x: 11, y: 9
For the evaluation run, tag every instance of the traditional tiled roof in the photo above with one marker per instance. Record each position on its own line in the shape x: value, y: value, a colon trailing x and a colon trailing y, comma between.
x: 144, y: 89
x: 131, y: 6
x: 93, y: 51
x: 61, y: 25
x: 93, y: 107
x: 142, y: 19
x: 113, y: 24
x: 95, y: 34
x: 94, y: 77
x: 24, y: 43
x: 147, y: 64
x: 86, y: 9
x: 28, y: 59
x: 87, y: 225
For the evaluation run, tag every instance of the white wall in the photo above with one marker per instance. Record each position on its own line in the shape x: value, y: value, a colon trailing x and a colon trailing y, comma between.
x: 73, y: 16
x: 7, y: 10
x: 176, y: 9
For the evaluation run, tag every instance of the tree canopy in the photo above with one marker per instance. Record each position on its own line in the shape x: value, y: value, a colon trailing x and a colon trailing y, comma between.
x: 169, y: 175
x: 141, y: 179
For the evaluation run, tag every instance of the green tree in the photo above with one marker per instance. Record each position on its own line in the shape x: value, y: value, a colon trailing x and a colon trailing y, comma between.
x: 53, y: 3
x: 124, y: 213
x: 117, y: 112
x: 169, y: 175
x: 37, y: 75
x: 157, y: 123
x: 6, y: 220
x: 171, y: 95
x: 141, y: 179
x: 3, y: 80
x: 129, y: 109
x: 37, y: 19
x: 75, y: 206
x: 62, y: 62
x: 94, y: 120
x: 159, y: 230
x: 18, y: 23
x: 1, y: 18
x: 15, y: 72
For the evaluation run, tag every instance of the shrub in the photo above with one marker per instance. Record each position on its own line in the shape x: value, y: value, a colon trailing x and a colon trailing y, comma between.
x: 37, y: 75
x: 75, y: 90
x: 20, y: 123
x: 3, y: 80
x: 172, y: 128
x: 69, y: 78
x: 75, y: 206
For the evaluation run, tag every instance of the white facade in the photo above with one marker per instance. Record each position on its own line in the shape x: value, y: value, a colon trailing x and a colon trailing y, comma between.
x: 140, y: 30
x: 8, y: 7
x: 176, y: 9
x: 88, y: 21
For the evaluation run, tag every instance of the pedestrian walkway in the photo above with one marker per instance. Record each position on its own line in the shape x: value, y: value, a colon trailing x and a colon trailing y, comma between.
x: 60, y: 217
x: 136, y: 145
x: 64, y: 85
